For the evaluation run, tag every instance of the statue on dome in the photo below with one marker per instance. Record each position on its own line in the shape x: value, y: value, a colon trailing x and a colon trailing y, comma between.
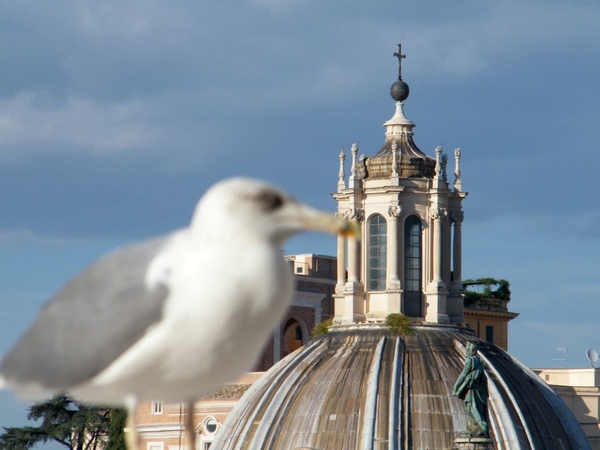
x: 471, y: 387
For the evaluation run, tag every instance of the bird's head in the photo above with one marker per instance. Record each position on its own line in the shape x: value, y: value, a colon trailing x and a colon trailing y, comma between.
x: 245, y: 205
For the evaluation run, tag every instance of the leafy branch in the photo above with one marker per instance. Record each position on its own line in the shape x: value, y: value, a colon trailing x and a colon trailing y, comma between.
x: 321, y: 329
x: 398, y: 323
x: 486, y: 290
x: 72, y: 425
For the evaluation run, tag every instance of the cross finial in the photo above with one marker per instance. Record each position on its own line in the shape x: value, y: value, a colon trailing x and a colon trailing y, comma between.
x: 399, y: 55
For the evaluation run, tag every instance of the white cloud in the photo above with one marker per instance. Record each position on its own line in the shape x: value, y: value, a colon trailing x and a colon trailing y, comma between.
x: 77, y: 123
x: 506, y: 32
x: 11, y: 237
x: 280, y: 7
x: 147, y: 127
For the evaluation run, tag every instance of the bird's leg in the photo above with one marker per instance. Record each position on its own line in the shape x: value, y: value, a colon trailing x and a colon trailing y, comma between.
x: 190, y: 432
x: 132, y: 438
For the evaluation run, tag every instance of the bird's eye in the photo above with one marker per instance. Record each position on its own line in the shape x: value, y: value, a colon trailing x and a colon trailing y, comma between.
x: 270, y: 201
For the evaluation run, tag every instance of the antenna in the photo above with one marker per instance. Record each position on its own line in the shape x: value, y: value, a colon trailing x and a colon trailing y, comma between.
x: 592, y: 356
x: 564, y: 350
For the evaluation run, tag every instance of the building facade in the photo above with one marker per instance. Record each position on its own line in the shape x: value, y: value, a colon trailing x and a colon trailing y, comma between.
x: 580, y: 390
x: 488, y: 318
x: 312, y: 303
x: 161, y: 425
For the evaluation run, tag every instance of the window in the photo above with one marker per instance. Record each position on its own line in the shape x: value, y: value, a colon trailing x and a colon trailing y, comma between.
x: 155, y: 446
x: 157, y: 407
x: 412, y: 267
x: 489, y: 333
x: 209, y: 428
x: 377, y: 253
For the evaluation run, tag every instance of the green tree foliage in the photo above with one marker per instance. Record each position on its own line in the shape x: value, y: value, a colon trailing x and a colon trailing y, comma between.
x: 398, y: 323
x: 62, y: 420
x: 321, y: 329
x: 116, y: 434
x: 484, y: 290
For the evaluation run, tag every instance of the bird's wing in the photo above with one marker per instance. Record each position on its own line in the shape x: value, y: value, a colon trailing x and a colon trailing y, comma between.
x: 90, y: 322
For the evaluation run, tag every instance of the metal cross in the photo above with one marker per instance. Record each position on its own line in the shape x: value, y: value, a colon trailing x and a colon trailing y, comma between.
x: 399, y: 55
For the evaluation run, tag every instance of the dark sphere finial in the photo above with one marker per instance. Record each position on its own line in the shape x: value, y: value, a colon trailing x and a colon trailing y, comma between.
x: 399, y: 91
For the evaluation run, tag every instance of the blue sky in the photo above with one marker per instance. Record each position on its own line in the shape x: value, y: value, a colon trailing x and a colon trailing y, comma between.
x: 116, y: 116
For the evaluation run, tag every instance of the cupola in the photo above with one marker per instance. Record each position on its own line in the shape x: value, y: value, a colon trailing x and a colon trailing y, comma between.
x: 410, y: 162
x: 409, y: 257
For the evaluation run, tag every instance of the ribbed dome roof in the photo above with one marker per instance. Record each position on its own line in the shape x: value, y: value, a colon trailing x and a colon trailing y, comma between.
x: 412, y: 162
x: 363, y: 388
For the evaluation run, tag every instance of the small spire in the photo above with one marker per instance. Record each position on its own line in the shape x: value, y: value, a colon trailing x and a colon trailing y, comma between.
x: 353, y: 181
x: 342, y: 174
x: 354, y: 151
x: 457, y: 181
x: 438, y: 161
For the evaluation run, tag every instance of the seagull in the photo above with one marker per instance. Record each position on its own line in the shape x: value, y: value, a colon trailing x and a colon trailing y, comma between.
x: 175, y: 317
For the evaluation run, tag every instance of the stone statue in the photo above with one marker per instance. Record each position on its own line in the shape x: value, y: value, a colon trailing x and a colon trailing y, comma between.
x: 471, y: 387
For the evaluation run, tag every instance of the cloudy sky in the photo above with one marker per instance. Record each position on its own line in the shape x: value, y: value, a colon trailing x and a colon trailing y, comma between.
x: 116, y: 116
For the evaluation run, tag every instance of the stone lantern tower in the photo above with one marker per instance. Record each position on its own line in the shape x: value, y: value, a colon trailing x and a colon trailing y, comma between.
x: 408, y: 259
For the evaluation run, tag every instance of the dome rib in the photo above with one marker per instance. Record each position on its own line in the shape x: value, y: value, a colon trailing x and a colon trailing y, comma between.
x: 371, y: 416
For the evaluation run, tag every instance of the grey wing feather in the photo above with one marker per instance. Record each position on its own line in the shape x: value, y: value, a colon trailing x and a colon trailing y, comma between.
x: 96, y: 317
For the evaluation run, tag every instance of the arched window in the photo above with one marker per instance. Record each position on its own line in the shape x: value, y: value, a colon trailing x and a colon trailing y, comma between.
x: 209, y: 429
x: 210, y: 426
x: 377, y: 253
x: 412, y: 267
x: 293, y: 336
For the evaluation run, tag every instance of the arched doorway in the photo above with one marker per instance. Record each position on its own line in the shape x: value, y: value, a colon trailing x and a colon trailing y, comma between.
x: 294, y: 336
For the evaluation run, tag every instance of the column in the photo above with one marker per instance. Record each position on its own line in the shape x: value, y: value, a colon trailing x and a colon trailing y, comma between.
x: 436, y: 293
x: 341, y: 264
x: 339, y: 299
x: 455, y: 302
x: 354, y: 294
x: 352, y: 261
x: 457, y: 217
x: 393, y: 282
x: 353, y: 254
x: 277, y: 343
x: 394, y: 291
x: 436, y: 215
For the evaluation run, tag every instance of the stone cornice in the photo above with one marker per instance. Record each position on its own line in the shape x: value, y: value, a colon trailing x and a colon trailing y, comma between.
x: 488, y: 313
x: 344, y: 195
x: 394, y: 189
x: 315, y: 280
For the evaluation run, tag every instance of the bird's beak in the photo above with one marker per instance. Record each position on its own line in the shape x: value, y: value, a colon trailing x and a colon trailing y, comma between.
x: 320, y: 221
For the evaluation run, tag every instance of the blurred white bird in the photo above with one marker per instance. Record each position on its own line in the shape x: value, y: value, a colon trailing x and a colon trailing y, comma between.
x: 172, y: 318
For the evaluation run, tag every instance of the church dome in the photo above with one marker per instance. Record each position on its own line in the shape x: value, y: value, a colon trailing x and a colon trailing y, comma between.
x: 360, y: 387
